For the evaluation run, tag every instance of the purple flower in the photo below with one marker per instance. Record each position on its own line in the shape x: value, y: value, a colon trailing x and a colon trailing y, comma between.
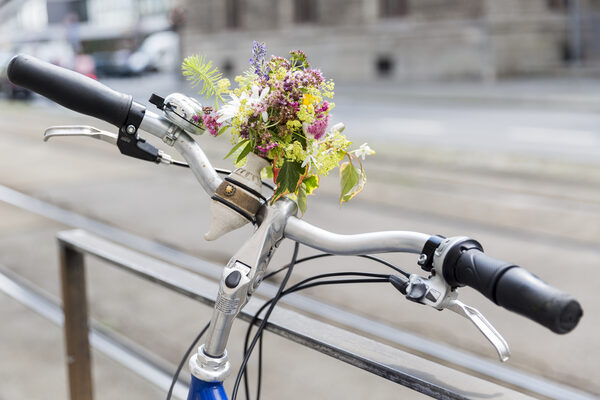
x: 259, y: 51
x: 324, y: 107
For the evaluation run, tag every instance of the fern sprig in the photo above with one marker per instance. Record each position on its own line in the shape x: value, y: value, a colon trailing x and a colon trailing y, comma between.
x: 197, y: 70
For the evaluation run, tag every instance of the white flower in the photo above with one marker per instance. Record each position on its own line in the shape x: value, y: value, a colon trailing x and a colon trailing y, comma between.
x: 311, y: 157
x: 305, y: 130
x: 229, y: 110
x: 265, y: 116
x: 337, y: 129
x: 363, y: 150
x: 256, y: 97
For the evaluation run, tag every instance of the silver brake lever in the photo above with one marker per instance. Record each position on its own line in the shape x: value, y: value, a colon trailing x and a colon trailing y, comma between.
x: 483, y: 325
x: 435, y: 292
x: 80, y: 130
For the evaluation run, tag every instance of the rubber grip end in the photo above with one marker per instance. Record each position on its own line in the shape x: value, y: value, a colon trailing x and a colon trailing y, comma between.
x: 524, y: 293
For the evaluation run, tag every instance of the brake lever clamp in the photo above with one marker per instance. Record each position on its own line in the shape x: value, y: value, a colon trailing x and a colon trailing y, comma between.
x: 437, y: 293
x: 130, y: 143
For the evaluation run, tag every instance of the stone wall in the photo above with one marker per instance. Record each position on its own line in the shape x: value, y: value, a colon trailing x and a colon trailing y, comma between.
x: 350, y: 40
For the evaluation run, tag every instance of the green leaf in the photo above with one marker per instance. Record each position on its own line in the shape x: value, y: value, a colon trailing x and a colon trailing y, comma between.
x: 267, y: 172
x: 198, y: 70
x: 311, y: 183
x: 244, y: 152
x: 222, y: 130
x: 300, y: 138
x: 237, y: 146
x: 298, y: 57
x: 288, y: 178
x: 349, y: 178
x: 302, y: 198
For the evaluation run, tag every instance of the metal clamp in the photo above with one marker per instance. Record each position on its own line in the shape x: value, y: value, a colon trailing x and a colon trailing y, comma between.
x: 172, y: 134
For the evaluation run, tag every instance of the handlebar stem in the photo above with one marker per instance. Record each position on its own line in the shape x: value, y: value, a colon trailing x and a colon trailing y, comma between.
x: 245, y: 271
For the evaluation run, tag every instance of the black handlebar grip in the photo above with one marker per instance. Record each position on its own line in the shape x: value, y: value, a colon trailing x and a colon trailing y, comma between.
x: 511, y: 287
x: 70, y: 89
x: 520, y: 291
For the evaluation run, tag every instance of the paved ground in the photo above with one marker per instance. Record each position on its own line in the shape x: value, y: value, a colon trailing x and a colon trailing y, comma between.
x: 540, y: 210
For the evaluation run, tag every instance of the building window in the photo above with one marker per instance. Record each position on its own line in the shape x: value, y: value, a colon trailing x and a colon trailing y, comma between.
x: 393, y: 8
x: 557, y: 5
x: 384, y: 65
x: 59, y: 9
x: 233, y: 13
x: 305, y: 11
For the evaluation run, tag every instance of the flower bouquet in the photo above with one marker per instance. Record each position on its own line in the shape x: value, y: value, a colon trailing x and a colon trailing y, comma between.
x: 279, y: 111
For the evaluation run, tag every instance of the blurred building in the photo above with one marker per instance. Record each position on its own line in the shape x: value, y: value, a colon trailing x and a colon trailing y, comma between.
x: 81, y: 21
x: 401, y: 39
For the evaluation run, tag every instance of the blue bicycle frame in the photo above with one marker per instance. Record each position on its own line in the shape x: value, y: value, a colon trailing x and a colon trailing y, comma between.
x: 200, y: 390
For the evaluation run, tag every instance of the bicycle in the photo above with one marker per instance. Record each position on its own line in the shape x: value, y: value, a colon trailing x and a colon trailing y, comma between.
x: 450, y: 263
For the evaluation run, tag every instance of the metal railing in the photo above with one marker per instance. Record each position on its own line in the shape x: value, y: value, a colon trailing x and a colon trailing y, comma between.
x: 128, y: 354
x: 416, y: 373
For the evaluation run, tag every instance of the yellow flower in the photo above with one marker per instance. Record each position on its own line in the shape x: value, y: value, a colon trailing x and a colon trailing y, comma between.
x: 295, y: 152
x: 293, y: 124
x: 308, y: 99
x: 306, y: 114
x: 280, y: 73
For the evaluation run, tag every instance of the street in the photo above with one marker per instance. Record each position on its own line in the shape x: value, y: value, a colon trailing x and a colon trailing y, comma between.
x: 512, y: 121
x: 523, y: 179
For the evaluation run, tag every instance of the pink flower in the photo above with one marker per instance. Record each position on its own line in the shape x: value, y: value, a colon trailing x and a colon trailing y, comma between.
x: 265, y: 149
x: 210, y: 122
x: 317, y: 129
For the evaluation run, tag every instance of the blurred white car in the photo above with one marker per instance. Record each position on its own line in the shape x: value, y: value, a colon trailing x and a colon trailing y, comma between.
x: 57, y: 52
x: 158, y: 52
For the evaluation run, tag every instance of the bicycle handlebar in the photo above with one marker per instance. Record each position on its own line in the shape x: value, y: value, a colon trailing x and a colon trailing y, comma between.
x: 511, y: 287
x: 363, y: 243
x: 505, y: 284
x: 70, y: 89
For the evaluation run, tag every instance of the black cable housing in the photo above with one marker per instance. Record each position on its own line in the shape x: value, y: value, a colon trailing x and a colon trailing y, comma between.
x: 184, y: 358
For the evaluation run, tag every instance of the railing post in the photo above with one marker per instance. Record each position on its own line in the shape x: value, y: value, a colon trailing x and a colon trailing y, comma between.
x: 76, y: 329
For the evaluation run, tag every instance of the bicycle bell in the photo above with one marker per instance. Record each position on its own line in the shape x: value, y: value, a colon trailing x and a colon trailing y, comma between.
x: 181, y: 110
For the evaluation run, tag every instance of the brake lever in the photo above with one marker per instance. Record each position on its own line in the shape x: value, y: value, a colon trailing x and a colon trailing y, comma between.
x: 436, y: 293
x: 484, y: 326
x: 149, y: 153
x: 80, y: 130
